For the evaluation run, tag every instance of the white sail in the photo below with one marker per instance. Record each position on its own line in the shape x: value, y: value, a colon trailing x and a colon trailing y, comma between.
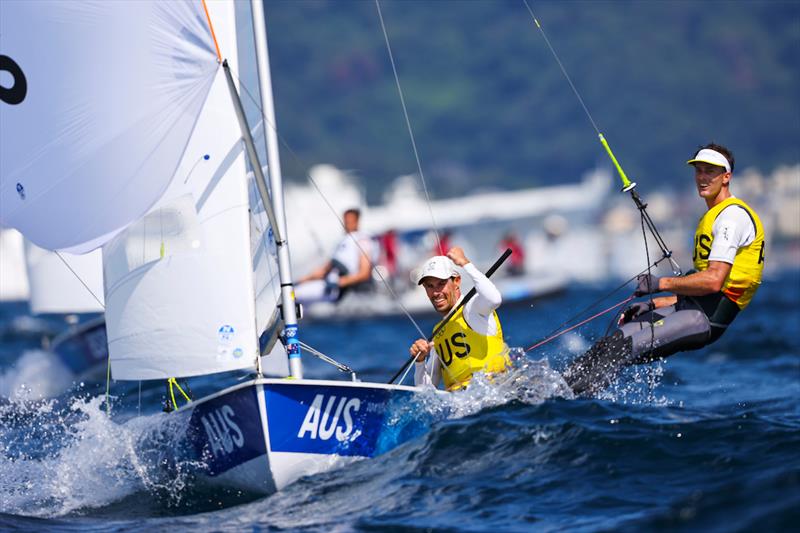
x: 67, y: 284
x: 180, y: 287
x: 13, y: 278
x: 103, y: 98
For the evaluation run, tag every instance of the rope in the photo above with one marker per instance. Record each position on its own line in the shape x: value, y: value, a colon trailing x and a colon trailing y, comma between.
x: 172, y: 382
x: 650, y: 296
x: 408, y: 125
x: 331, y: 361
x: 213, y: 35
x: 628, y: 186
x: 108, y: 360
x: 85, y: 286
x: 298, y: 160
x: 403, y: 377
x: 562, y: 332
x: 561, y: 65
x: 108, y: 385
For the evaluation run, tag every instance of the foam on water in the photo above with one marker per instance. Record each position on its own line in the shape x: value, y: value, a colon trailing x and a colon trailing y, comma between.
x: 528, y: 381
x: 58, y: 459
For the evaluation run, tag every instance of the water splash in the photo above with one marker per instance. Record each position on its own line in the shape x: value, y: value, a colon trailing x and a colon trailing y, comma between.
x: 528, y: 381
x: 35, y: 375
x: 58, y: 459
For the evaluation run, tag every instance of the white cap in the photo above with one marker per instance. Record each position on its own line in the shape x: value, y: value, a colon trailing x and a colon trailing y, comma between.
x: 712, y: 157
x: 439, y: 266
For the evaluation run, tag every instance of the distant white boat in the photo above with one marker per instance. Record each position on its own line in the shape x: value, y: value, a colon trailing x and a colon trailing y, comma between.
x: 516, y: 290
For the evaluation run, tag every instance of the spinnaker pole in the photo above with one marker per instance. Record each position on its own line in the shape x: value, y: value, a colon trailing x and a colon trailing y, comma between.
x: 276, y: 188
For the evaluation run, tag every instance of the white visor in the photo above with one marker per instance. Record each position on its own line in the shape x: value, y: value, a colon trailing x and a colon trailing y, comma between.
x: 712, y: 157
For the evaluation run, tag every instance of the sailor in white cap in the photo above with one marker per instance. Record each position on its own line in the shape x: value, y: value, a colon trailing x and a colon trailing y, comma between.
x: 472, y: 339
x: 728, y: 259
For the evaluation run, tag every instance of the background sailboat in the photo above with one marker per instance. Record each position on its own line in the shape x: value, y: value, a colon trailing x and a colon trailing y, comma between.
x: 69, y: 288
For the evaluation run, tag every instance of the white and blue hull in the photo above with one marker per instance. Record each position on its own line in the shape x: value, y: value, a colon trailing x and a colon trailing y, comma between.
x: 264, y: 434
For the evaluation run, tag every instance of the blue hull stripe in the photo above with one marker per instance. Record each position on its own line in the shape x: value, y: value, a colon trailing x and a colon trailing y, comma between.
x: 346, y: 421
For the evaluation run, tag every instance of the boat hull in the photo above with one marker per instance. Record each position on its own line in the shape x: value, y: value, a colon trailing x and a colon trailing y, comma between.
x: 264, y: 434
x: 83, y: 348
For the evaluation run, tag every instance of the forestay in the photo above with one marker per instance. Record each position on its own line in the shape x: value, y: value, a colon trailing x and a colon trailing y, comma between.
x: 111, y: 93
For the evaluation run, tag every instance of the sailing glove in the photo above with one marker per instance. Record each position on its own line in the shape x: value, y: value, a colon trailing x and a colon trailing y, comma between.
x: 632, y: 311
x: 647, y: 284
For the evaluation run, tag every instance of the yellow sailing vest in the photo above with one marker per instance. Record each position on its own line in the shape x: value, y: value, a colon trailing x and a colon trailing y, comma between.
x: 745, y: 275
x: 463, y: 351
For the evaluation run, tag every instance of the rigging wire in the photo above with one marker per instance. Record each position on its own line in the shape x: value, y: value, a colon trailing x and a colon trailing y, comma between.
x: 330, y: 360
x: 561, y: 65
x: 581, y: 323
x: 78, y: 277
x: 408, y: 125
x: 102, y: 305
x: 650, y: 296
x: 299, y: 161
x: 557, y: 332
x: 416, y: 156
x: 628, y: 186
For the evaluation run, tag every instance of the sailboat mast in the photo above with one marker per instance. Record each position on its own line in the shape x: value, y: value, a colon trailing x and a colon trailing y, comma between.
x: 276, y: 188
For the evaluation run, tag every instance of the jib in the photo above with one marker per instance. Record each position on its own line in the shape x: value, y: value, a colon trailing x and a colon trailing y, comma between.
x: 222, y: 432
x: 323, y: 424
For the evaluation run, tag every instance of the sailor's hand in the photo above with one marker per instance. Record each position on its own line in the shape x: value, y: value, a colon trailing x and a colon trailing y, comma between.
x: 456, y: 255
x: 646, y: 284
x: 420, y: 349
x: 332, y: 288
x: 634, y: 310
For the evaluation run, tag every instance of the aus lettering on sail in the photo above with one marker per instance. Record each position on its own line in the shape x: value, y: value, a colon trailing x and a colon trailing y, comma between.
x: 223, y: 433
x: 337, y: 418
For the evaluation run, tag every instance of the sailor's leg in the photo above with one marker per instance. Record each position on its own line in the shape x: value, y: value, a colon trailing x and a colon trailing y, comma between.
x: 678, y: 331
x: 653, y: 335
x: 313, y: 291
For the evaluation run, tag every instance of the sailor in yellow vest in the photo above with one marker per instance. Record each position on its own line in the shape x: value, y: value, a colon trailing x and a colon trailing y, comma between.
x: 728, y: 262
x: 472, y: 340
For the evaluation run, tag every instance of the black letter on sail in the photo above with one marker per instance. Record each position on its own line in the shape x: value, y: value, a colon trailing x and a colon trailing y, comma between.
x: 16, y: 93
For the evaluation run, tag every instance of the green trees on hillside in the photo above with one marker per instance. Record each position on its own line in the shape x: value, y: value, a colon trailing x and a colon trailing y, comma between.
x: 490, y: 107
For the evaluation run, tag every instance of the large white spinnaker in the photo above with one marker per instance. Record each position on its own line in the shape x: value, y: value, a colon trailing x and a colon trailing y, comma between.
x: 180, y: 284
x: 101, y: 101
x: 66, y: 284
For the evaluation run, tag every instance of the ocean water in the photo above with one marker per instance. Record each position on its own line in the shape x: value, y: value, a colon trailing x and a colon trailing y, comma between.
x: 706, y: 441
